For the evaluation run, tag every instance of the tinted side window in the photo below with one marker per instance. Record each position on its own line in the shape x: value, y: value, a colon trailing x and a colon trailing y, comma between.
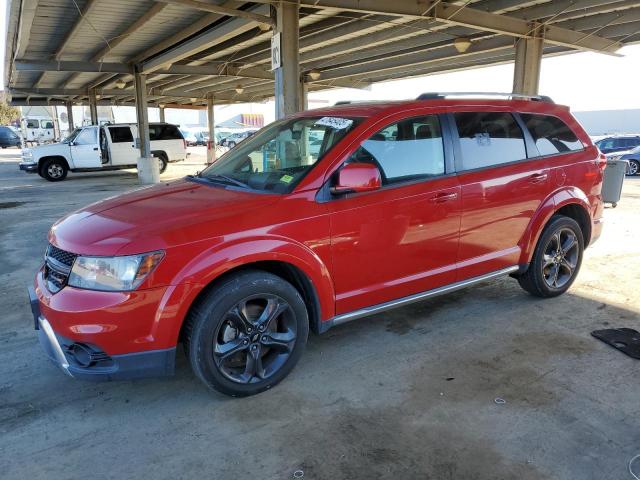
x: 121, y: 134
x: 164, y: 132
x: 88, y: 136
x: 551, y: 134
x: 405, y: 150
x: 489, y: 138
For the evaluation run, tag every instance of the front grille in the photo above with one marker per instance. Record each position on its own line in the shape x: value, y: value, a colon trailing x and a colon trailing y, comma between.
x: 57, y: 267
x: 66, y: 258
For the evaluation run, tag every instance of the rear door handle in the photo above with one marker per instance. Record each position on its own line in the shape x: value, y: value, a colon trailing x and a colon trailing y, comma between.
x: 95, y: 149
x: 538, y: 178
x: 443, y: 197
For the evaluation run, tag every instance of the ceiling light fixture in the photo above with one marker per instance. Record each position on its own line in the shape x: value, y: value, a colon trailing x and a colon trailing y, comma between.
x: 462, y: 44
x: 239, y: 89
x: 120, y: 83
x: 314, y: 74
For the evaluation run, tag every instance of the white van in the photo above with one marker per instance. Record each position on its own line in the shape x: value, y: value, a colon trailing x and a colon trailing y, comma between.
x: 36, y: 129
x: 109, y: 147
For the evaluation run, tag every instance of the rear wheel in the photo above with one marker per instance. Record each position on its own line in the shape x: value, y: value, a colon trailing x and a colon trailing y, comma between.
x: 54, y: 169
x: 246, y: 335
x: 231, y: 144
x: 556, y: 259
x: 163, y: 162
x: 633, y: 168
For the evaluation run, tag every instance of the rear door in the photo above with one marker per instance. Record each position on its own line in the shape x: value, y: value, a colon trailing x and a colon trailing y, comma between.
x: 403, y: 238
x: 85, y: 151
x: 501, y: 189
x: 122, y: 147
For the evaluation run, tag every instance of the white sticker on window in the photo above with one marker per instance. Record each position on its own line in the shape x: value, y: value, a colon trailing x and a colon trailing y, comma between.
x: 335, y: 122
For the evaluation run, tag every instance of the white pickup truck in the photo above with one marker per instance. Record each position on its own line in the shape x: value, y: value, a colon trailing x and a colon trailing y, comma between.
x: 97, y: 148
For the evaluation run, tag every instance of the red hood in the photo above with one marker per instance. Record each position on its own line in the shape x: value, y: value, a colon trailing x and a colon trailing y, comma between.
x: 156, y: 218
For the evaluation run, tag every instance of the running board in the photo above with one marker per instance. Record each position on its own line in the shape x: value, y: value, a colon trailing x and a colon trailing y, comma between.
x: 383, y: 307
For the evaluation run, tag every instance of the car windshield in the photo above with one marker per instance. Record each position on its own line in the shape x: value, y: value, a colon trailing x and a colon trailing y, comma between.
x: 279, y: 155
x: 71, y: 136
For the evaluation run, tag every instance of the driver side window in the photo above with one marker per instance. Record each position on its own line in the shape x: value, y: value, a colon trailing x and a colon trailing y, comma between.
x: 407, y: 150
x: 87, y: 136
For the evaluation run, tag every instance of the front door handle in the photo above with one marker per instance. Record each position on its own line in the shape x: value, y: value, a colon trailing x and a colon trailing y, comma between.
x: 95, y: 149
x: 443, y: 197
x: 538, y: 178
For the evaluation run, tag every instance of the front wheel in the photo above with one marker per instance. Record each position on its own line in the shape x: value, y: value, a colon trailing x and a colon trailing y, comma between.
x: 54, y: 170
x: 556, y: 259
x: 247, y: 334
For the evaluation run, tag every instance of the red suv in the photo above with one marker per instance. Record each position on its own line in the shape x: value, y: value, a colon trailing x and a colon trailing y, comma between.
x: 323, y: 217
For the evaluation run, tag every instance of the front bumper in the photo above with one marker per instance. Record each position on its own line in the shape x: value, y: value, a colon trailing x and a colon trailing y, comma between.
x: 87, y: 361
x: 28, y: 167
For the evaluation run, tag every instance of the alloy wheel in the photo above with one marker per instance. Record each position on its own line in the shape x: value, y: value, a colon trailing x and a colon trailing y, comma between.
x: 55, y: 171
x: 632, y: 169
x: 255, y: 339
x: 560, y: 258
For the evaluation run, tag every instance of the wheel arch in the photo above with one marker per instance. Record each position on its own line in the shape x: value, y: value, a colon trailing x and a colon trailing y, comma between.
x: 41, y: 160
x: 292, y: 262
x: 571, y: 202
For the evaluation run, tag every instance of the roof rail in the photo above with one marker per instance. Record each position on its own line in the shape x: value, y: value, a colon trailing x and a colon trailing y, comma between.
x: 441, y: 95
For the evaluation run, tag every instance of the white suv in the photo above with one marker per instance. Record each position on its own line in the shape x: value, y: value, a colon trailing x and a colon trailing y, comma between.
x: 109, y: 147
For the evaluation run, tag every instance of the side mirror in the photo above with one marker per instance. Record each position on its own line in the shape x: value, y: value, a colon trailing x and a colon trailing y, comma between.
x: 357, y: 178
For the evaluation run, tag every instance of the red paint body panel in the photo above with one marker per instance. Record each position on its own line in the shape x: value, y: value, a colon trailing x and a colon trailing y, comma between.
x: 356, y: 251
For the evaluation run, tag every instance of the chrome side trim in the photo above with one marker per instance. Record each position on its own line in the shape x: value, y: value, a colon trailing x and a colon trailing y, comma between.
x: 55, y: 346
x: 383, y: 307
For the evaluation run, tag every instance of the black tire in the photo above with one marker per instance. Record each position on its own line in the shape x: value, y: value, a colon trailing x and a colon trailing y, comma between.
x: 633, y: 168
x: 549, y: 262
x: 53, y: 169
x: 224, y: 321
x: 231, y: 144
x: 164, y: 161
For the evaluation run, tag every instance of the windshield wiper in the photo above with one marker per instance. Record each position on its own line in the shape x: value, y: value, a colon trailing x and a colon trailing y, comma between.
x: 225, y: 179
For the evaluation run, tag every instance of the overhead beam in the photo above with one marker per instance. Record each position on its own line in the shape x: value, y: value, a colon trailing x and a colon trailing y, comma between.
x: 71, y: 66
x: 213, y: 36
x: 222, y: 10
x: 468, y: 17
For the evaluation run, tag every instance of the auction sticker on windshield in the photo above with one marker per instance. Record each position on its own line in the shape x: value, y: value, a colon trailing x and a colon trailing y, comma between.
x: 336, y: 123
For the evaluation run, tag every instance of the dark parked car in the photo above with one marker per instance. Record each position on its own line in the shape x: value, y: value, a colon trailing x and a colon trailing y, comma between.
x: 618, y: 143
x: 633, y: 157
x: 9, y: 138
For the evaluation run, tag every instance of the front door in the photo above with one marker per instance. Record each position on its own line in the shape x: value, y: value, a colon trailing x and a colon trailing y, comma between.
x: 403, y: 238
x: 85, y: 150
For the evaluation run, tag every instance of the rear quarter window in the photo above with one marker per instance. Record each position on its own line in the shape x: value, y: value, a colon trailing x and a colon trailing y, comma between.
x: 550, y: 134
x: 164, y: 132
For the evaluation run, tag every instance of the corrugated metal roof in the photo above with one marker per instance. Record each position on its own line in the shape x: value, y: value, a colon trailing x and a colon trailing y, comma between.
x: 349, y: 47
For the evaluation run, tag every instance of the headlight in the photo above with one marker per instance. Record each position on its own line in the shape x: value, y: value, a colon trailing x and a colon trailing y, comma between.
x: 113, y: 273
x: 27, y: 153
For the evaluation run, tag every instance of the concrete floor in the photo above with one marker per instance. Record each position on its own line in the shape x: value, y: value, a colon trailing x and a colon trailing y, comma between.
x: 407, y: 394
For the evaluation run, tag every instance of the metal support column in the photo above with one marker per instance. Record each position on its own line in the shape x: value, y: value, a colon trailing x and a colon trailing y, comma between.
x: 93, y: 107
x: 304, y: 95
x: 287, y: 77
x: 148, y: 168
x: 526, y: 72
x: 70, y: 116
x: 211, y: 145
x: 162, y: 120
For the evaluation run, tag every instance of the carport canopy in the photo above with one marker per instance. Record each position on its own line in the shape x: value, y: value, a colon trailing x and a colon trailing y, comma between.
x: 197, y: 53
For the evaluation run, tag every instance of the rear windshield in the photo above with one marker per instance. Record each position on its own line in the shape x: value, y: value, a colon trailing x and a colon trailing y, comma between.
x: 551, y: 134
x: 164, y: 132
